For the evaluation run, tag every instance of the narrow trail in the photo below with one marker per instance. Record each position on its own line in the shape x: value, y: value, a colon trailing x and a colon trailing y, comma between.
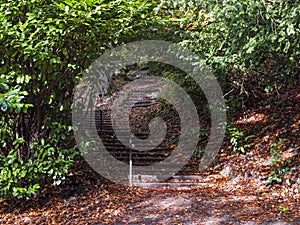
x: 216, y: 200
x: 89, y: 199
x: 162, y: 209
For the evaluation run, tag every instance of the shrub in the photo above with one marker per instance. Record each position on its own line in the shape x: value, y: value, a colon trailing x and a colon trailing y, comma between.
x: 45, y: 46
x: 281, y: 168
x: 239, y: 141
x: 249, y: 44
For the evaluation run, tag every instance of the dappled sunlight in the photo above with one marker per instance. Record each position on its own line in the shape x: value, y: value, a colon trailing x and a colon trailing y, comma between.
x: 257, y: 117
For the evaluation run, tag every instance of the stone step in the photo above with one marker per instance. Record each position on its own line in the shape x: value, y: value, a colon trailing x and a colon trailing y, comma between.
x: 173, y: 185
x: 154, y: 181
x: 151, y: 178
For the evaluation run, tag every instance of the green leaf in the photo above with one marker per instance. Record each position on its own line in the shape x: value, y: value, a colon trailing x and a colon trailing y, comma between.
x: 90, y: 2
x: 4, y: 86
x: 36, y: 186
x: 3, y: 69
x: 3, y: 106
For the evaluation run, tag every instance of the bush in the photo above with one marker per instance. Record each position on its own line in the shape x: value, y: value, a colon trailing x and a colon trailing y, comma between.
x: 249, y: 44
x: 239, y: 141
x: 45, y: 46
x: 23, y: 179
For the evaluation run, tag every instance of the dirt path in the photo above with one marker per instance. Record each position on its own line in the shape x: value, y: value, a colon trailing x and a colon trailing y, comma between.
x: 220, y: 201
x: 182, y: 209
x: 89, y: 199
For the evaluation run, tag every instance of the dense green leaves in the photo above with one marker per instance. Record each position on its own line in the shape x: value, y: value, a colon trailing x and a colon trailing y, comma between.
x: 249, y: 45
x: 243, y: 32
x: 45, y: 45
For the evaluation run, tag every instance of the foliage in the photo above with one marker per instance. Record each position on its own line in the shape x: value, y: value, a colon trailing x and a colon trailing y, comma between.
x: 283, y: 209
x: 248, y: 44
x: 278, y: 174
x: 11, y: 97
x: 276, y: 149
x: 45, y: 45
x: 238, y: 140
x: 280, y: 167
x: 23, y: 179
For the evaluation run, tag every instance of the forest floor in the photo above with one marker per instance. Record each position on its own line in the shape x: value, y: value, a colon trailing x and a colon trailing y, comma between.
x: 233, y: 190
